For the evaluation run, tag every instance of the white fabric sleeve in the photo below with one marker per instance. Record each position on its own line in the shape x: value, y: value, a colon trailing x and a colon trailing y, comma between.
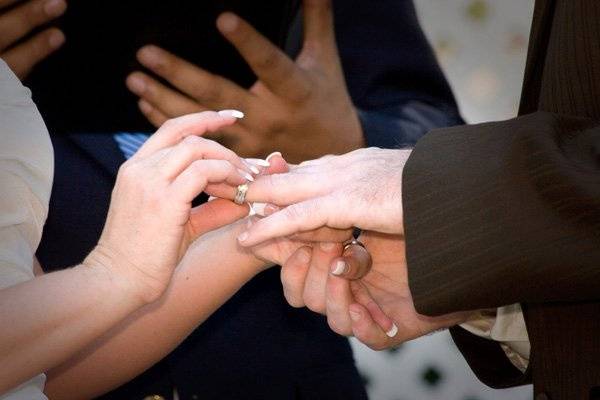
x: 26, y: 172
x: 505, y: 325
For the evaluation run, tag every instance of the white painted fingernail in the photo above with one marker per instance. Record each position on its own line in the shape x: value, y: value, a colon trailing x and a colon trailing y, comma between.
x: 231, y: 113
x: 252, y: 212
x: 277, y: 153
x: 243, y: 237
x: 246, y: 175
x: 393, y: 331
x: 211, y: 198
x: 339, y: 268
x: 259, y: 162
x: 259, y: 208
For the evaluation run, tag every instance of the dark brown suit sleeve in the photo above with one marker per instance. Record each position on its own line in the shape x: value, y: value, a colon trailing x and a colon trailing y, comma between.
x: 502, y: 213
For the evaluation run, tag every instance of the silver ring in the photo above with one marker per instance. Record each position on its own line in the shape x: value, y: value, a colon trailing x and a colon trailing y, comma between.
x: 353, y: 242
x: 240, y: 194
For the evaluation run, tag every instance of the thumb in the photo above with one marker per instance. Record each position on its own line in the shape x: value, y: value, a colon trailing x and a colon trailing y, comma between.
x: 354, y: 264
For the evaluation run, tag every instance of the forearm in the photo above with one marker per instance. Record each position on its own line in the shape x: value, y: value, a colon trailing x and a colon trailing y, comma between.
x: 48, y: 319
x: 211, y: 272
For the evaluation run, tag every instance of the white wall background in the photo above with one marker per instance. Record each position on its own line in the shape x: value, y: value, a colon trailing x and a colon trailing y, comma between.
x: 481, y: 45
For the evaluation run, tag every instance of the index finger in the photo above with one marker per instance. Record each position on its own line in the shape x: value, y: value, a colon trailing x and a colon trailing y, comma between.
x: 175, y: 130
x: 272, y: 66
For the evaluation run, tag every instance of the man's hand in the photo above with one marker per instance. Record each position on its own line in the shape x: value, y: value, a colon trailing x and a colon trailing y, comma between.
x: 300, y: 108
x: 17, y: 21
x: 371, y: 302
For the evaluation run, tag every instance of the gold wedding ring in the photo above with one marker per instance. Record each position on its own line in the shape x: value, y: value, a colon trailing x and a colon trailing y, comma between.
x: 240, y: 194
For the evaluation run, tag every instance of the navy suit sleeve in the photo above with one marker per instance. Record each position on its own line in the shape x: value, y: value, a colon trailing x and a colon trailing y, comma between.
x: 392, y: 75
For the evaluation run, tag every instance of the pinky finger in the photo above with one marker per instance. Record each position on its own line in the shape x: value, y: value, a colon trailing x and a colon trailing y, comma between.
x: 152, y: 114
x: 194, y: 179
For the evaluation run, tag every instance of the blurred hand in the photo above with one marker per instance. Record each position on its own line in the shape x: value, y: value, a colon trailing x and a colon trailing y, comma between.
x: 360, y: 189
x: 300, y: 108
x: 151, y: 223
x: 17, y: 21
x: 370, y: 301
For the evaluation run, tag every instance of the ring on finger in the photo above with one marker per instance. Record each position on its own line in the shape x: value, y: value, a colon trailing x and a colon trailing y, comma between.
x: 240, y: 194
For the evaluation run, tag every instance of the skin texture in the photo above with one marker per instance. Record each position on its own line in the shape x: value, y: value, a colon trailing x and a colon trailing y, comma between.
x: 17, y: 20
x: 360, y: 189
x: 297, y: 107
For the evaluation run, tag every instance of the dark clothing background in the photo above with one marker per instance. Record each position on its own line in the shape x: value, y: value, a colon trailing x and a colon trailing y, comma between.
x: 509, y: 212
x: 255, y: 346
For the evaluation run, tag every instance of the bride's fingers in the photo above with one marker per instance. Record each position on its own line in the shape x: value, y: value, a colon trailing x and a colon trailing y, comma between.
x: 194, y: 148
x: 194, y: 179
x: 354, y: 264
x: 174, y: 130
x: 215, y: 214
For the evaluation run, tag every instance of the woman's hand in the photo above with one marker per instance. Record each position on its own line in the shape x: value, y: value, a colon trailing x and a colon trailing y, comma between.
x: 17, y: 21
x: 359, y: 189
x: 150, y: 222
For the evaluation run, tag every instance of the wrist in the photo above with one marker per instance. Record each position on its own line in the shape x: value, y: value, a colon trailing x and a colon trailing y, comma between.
x: 123, y: 277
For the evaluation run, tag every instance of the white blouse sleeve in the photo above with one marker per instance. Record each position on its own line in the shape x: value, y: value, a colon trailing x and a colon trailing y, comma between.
x: 26, y: 171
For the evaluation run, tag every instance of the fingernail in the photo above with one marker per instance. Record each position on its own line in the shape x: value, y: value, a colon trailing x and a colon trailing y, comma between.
x: 339, y: 268
x: 276, y: 153
x: 354, y: 316
x: 259, y: 162
x: 136, y: 84
x: 56, y: 39
x: 55, y: 8
x: 259, y: 208
x: 145, y: 106
x: 326, y: 246
x: 231, y: 113
x: 393, y: 331
x: 271, y: 209
x: 246, y: 175
x: 150, y: 56
x: 251, y: 167
x: 211, y: 198
x: 227, y: 22
x: 243, y: 237
x: 251, y: 213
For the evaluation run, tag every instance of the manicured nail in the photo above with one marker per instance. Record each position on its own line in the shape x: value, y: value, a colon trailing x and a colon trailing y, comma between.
x: 246, y: 175
x: 354, y: 316
x: 259, y: 208
x: 276, y: 153
x: 150, y: 56
x: 271, y: 209
x: 55, y: 8
x: 393, y: 331
x: 211, y: 198
x: 231, y: 113
x: 227, y: 22
x: 339, y: 268
x: 259, y: 162
x: 243, y: 237
x: 251, y: 167
x: 56, y: 39
x: 326, y: 246
x: 251, y: 213
x: 136, y: 84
